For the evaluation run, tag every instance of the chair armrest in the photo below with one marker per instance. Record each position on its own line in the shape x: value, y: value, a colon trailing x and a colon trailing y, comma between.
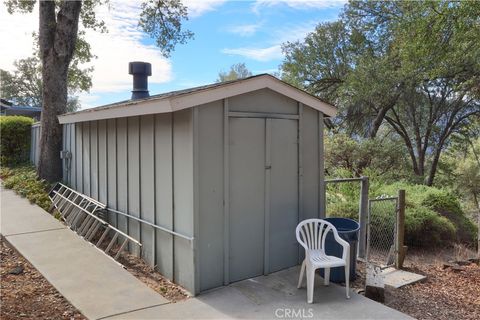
x: 345, y: 245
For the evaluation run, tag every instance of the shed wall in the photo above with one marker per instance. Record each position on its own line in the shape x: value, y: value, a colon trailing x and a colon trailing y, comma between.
x: 127, y: 163
x: 212, y: 240
x: 35, y: 143
x: 264, y: 100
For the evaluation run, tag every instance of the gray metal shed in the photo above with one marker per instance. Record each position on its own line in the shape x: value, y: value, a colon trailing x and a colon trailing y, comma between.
x: 212, y: 180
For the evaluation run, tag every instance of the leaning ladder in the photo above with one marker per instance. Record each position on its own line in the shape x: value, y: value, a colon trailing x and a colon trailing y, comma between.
x: 80, y: 213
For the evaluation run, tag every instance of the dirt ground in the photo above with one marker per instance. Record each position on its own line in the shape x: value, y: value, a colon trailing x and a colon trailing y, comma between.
x: 153, y: 278
x: 447, y: 293
x: 26, y: 294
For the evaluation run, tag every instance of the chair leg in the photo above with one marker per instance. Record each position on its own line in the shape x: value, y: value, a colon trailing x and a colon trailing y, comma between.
x: 326, y: 276
x: 310, y: 283
x: 347, y: 280
x: 302, y: 271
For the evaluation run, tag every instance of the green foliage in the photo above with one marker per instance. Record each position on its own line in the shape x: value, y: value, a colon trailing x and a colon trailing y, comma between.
x: 409, y: 67
x: 364, y: 157
x: 448, y: 206
x: 23, y: 86
x: 25, y: 182
x: 425, y: 228
x: 237, y: 71
x: 162, y: 21
x: 433, y: 216
x: 14, y: 139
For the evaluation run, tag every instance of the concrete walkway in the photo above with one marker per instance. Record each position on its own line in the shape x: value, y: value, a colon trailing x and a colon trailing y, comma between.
x: 95, y: 284
x: 271, y: 297
x: 101, y: 289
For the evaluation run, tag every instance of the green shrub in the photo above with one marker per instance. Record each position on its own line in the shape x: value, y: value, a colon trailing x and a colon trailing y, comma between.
x: 14, y: 139
x: 425, y: 228
x: 433, y: 216
x: 25, y: 182
x: 445, y: 204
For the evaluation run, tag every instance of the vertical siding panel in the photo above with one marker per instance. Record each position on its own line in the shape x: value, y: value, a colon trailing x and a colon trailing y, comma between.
x: 183, y: 197
x: 38, y: 132
x: 147, y: 187
x: 86, y: 156
x: 94, y: 159
x: 73, y: 148
x: 32, y: 143
x: 79, y: 156
x: 210, y: 194
x: 102, y: 161
x: 64, y: 147
x: 112, y: 163
x: 134, y: 179
x: 322, y: 204
x: 164, y: 193
x: 68, y: 148
x: 310, y: 163
x: 34, y: 148
x: 122, y: 173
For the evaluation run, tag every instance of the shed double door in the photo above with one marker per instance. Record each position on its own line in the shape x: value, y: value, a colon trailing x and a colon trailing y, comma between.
x: 263, y: 196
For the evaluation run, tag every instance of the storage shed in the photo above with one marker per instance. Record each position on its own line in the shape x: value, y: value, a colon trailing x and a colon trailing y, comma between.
x: 211, y: 180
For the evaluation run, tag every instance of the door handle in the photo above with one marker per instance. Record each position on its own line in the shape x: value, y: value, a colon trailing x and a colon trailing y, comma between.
x: 268, y: 167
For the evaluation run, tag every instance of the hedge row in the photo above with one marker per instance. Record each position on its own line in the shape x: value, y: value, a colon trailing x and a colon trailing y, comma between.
x: 15, y: 134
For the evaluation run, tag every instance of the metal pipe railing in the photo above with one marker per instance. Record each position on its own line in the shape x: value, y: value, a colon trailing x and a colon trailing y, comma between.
x: 151, y: 224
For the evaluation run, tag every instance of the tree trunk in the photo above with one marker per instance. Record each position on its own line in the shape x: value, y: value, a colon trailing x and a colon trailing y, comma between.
x: 377, y: 122
x: 475, y: 199
x: 57, y: 37
x: 433, y: 167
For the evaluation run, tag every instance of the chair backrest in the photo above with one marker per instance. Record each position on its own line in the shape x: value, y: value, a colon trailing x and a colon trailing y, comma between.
x: 311, y: 233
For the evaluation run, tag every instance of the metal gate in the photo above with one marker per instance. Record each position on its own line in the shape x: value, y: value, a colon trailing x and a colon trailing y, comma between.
x: 382, y: 231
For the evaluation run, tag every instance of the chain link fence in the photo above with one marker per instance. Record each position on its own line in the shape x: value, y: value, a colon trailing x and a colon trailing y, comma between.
x: 381, y: 231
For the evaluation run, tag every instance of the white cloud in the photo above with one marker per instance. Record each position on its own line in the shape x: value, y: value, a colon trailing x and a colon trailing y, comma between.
x: 298, y: 4
x: 259, y: 54
x: 245, y: 30
x: 294, y: 32
x: 121, y: 45
x: 278, y: 37
x: 198, y: 7
x: 16, y: 36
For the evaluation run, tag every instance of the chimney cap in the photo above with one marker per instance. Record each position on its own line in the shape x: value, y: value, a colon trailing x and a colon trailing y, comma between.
x: 139, y: 67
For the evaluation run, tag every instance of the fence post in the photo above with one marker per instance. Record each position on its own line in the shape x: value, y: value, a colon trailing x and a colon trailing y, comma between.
x: 400, y: 236
x: 362, y: 215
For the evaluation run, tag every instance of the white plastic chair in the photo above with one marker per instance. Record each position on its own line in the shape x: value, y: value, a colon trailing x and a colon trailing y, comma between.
x: 311, y: 234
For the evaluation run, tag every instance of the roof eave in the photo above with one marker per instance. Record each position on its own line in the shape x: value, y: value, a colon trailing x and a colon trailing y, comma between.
x: 188, y: 100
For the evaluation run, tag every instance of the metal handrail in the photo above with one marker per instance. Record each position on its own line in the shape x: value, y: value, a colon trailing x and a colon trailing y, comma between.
x: 99, y: 219
x: 151, y: 224
x: 345, y: 180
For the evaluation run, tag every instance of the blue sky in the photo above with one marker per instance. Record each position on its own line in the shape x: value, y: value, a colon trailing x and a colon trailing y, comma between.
x: 226, y: 32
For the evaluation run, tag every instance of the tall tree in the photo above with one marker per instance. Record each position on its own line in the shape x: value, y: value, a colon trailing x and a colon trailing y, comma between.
x: 237, y: 71
x: 23, y: 86
x: 412, y: 66
x: 58, y: 35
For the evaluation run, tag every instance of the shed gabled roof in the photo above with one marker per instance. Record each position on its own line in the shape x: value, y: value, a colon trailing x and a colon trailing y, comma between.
x: 188, y: 98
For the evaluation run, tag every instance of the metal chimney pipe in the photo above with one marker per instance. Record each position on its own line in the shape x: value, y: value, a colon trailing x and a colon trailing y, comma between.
x: 140, y: 71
